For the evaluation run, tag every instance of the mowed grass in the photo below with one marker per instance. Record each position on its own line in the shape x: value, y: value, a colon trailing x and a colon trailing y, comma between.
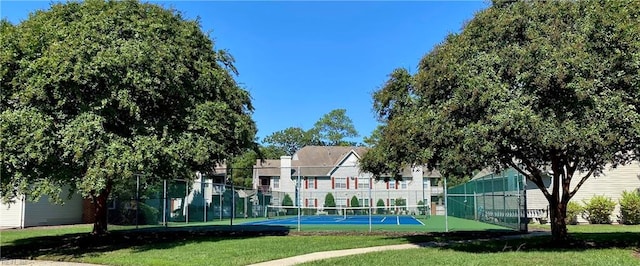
x: 591, y: 245
x: 598, y: 245
x: 226, y: 248
x: 441, y: 256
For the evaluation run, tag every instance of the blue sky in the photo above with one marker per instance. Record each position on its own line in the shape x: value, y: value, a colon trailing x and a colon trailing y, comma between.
x: 302, y: 59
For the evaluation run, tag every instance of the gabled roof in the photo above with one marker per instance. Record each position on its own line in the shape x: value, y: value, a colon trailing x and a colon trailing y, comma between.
x: 433, y: 173
x: 268, y: 167
x: 321, y: 160
x: 325, y: 155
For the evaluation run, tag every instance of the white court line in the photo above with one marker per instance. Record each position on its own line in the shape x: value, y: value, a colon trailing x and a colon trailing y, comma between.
x: 383, y: 218
x: 398, y: 219
x: 417, y: 220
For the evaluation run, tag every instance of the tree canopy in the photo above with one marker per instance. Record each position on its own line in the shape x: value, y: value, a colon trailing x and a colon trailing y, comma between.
x: 291, y: 139
x: 96, y: 92
x: 333, y: 127
x: 543, y: 87
x: 330, y: 130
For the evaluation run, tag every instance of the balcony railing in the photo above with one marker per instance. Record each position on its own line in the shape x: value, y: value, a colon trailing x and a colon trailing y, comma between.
x: 264, y: 189
x: 436, y: 190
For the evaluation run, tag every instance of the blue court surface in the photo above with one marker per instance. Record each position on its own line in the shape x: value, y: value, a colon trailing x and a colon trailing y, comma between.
x: 340, y: 220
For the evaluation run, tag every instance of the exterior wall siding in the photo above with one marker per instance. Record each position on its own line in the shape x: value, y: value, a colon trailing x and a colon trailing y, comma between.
x: 610, y: 184
x: 11, y: 214
x: 41, y: 212
x: 44, y: 212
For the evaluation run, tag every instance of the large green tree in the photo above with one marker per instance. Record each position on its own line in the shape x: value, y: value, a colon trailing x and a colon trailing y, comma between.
x: 94, y: 93
x: 333, y: 127
x: 549, y: 88
x: 330, y: 130
x: 291, y: 139
x: 242, y: 165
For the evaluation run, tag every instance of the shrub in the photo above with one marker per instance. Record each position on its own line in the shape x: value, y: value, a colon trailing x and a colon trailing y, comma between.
x: 573, y: 210
x: 288, y: 202
x: 149, y: 214
x: 380, y: 205
x: 598, y: 210
x: 330, y: 202
x: 356, y: 204
x: 630, y: 207
x: 401, y: 203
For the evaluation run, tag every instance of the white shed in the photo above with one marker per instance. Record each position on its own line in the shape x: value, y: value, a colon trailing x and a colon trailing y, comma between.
x: 23, y: 213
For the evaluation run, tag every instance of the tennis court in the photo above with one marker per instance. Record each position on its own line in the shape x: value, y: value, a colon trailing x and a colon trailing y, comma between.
x: 341, y: 220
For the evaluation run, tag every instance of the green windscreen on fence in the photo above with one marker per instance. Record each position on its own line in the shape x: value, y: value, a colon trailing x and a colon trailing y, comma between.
x: 496, y: 198
x: 185, y: 201
x: 325, y: 198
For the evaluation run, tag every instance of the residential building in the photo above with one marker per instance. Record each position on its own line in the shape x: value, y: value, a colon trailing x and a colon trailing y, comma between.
x: 314, y: 171
x: 611, y: 183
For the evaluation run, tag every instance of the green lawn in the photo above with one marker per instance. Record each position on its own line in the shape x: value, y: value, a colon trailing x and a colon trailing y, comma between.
x: 440, y: 256
x: 192, y: 249
x: 598, y: 245
x: 594, y: 245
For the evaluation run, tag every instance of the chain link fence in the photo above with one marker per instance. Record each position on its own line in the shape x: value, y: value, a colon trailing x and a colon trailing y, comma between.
x: 179, y: 202
x: 493, y: 198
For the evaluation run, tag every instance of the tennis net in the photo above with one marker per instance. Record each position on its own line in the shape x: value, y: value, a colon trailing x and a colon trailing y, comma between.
x: 346, y: 212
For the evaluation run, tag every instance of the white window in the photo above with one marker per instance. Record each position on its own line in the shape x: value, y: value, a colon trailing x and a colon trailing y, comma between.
x: 276, y: 182
x: 311, y: 183
x: 341, y: 183
x: 403, y: 184
x: 364, y: 202
x: 341, y: 202
x: 311, y: 202
x: 363, y: 183
x: 392, y: 202
x: 275, y: 201
x: 392, y: 184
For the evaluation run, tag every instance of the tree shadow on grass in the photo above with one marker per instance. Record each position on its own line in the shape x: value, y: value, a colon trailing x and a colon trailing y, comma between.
x: 79, y: 244
x: 492, y: 242
x: 442, y: 238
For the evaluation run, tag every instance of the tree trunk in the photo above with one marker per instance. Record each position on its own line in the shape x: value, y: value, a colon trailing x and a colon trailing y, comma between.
x: 100, y: 203
x: 558, y: 222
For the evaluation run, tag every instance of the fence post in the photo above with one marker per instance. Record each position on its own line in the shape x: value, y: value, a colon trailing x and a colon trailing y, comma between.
x: 164, y: 203
x: 137, y: 198
x: 186, y: 201
x: 233, y: 198
x: 475, y: 205
x: 446, y: 207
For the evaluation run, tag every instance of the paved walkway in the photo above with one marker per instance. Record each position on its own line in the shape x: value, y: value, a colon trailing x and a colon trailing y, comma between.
x: 333, y: 254
x: 347, y: 252
x: 301, y: 258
